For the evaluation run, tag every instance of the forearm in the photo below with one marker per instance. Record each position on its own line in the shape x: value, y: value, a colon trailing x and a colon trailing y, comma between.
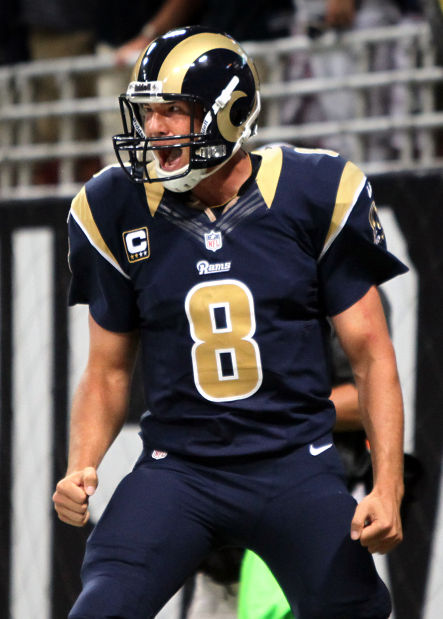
x: 345, y: 398
x: 381, y: 410
x: 364, y: 336
x: 98, y: 412
x: 171, y: 14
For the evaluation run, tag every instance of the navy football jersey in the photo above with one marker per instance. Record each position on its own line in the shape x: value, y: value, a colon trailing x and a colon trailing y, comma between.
x: 232, y: 313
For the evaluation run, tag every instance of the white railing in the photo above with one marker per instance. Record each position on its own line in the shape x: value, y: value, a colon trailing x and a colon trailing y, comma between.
x: 381, y: 139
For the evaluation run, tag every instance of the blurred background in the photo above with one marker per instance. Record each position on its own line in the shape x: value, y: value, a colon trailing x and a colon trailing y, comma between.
x: 361, y: 77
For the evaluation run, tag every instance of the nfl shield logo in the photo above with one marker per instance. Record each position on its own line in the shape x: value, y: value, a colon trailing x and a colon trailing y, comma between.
x: 159, y: 455
x: 213, y: 240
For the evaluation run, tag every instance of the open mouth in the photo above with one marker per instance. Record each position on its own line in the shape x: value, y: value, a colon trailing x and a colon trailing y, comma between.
x: 170, y: 158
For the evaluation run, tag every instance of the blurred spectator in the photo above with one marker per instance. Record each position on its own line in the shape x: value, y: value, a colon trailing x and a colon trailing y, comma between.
x: 316, y: 17
x: 433, y: 10
x: 57, y: 30
x: 250, y: 21
x: 246, y: 21
x: 170, y: 14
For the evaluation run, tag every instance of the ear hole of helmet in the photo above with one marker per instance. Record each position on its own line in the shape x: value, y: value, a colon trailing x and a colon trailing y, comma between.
x: 239, y: 112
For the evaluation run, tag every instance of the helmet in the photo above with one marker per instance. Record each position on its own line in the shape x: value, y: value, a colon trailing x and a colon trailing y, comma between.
x: 205, y: 68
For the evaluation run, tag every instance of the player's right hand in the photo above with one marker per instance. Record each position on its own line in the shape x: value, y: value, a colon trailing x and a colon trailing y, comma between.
x: 72, y: 494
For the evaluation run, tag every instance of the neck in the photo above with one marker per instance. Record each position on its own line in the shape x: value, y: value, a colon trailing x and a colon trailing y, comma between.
x: 224, y: 184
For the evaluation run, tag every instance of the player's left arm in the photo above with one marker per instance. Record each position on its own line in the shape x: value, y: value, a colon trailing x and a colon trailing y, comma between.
x: 364, y: 336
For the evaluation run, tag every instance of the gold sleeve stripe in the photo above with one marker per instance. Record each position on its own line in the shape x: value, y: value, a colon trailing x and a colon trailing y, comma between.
x: 269, y: 173
x: 351, y: 184
x: 81, y: 212
x: 154, y: 191
x: 180, y: 58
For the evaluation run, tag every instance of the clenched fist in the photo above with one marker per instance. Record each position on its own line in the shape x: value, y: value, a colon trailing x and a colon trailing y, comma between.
x: 72, y: 494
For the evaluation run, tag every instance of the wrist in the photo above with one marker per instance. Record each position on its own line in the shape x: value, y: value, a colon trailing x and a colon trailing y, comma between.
x: 393, y: 488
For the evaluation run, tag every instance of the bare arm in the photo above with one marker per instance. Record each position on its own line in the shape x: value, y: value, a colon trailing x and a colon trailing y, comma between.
x: 363, y: 333
x: 98, y: 412
x: 171, y: 14
x: 345, y: 398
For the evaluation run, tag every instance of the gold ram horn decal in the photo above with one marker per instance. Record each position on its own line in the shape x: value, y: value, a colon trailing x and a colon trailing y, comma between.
x: 229, y: 131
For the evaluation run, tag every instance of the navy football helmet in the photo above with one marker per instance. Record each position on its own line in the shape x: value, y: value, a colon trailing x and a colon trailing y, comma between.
x: 205, y: 68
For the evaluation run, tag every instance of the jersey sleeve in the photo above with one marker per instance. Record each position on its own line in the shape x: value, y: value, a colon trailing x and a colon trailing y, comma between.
x: 96, y: 277
x: 355, y: 255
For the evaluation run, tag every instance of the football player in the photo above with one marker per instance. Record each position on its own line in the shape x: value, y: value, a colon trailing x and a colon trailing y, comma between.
x: 223, y: 267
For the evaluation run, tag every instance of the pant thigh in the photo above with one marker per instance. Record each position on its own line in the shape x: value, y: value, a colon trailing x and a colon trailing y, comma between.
x: 152, y: 535
x: 306, y: 542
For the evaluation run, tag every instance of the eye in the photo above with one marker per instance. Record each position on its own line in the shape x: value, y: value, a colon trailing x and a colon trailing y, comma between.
x: 145, y: 111
x: 178, y: 108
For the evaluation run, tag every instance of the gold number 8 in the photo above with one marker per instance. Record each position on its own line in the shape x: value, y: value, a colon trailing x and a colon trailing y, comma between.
x: 225, y: 359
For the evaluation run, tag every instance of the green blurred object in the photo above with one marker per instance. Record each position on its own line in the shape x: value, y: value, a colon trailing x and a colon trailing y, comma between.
x: 260, y: 595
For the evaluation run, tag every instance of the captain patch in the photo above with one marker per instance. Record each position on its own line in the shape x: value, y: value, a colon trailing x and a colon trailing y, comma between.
x: 137, y: 244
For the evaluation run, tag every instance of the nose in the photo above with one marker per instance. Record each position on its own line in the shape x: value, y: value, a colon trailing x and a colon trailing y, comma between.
x: 156, y: 125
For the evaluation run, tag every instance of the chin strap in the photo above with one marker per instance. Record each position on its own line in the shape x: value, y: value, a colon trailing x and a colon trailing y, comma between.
x: 188, y: 182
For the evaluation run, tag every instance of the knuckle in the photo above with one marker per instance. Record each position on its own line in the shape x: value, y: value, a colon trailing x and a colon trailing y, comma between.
x: 60, y: 487
x: 385, y: 527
